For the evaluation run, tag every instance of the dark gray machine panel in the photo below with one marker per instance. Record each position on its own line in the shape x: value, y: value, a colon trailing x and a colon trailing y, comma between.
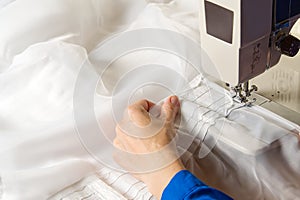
x: 256, y: 27
x: 219, y: 21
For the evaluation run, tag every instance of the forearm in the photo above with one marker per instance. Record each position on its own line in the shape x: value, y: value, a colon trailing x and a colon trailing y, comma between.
x: 158, y: 180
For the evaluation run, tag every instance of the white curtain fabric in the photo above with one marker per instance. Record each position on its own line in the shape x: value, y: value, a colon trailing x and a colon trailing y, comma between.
x: 43, y: 46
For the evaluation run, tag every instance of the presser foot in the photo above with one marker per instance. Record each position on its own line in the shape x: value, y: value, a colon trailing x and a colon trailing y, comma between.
x: 242, y: 92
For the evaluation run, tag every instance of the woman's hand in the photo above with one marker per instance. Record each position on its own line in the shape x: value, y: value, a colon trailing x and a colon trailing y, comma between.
x: 146, y: 141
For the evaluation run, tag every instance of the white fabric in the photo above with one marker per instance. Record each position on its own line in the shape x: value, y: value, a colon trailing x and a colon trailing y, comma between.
x: 4, y: 3
x: 40, y: 57
x: 83, y: 22
x: 36, y: 90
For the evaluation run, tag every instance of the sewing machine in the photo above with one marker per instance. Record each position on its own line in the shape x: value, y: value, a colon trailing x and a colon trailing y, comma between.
x: 244, y: 38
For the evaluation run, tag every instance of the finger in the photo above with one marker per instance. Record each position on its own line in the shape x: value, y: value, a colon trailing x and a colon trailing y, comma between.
x: 118, y: 144
x: 170, y: 108
x: 139, y: 112
x: 145, y: 104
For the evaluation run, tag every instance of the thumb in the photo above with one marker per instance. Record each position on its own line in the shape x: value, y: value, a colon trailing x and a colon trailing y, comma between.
x: 170, y: 108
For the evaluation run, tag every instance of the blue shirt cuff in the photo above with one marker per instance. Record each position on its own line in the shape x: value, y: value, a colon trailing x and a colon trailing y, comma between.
x: 185, y: 186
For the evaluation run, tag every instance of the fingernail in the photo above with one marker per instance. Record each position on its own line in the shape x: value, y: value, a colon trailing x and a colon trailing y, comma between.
x: 174, y: 100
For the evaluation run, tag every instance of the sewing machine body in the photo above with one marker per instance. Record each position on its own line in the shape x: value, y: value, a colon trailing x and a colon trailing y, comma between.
x: 245, y: 38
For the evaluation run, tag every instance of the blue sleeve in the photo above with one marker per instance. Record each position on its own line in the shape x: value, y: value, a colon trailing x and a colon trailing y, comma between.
x: 185, y: 186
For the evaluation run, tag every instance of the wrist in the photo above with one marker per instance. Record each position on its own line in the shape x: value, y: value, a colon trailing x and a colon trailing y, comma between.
x: 158, y: 180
